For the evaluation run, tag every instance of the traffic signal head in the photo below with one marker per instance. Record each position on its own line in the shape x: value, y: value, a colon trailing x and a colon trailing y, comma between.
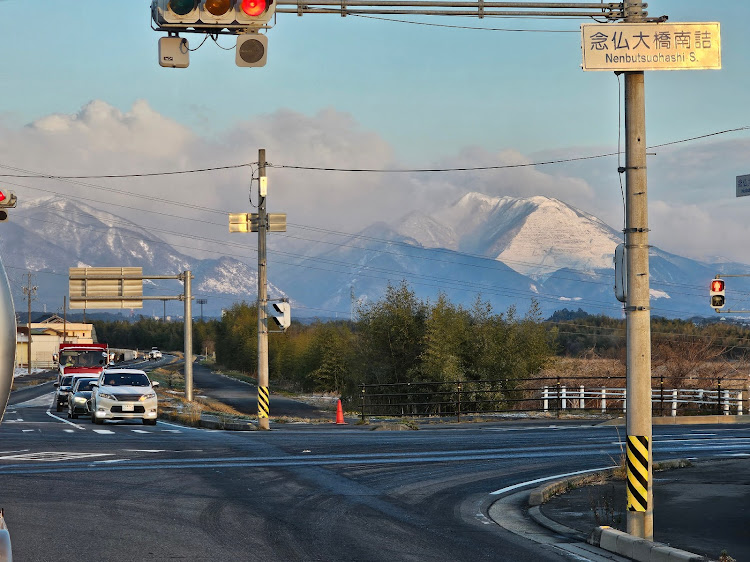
x: 285, y: 319
x: 252, y: 50
x: 7, y: 201
x: 718, y: 299
x: 212, y: 15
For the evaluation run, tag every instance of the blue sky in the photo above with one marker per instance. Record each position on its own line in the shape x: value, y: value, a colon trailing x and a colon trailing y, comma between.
x: 355, y: 92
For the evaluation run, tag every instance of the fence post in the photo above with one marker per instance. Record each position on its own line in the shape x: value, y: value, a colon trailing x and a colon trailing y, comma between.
x: 661, y: 392
x: 604, y: 400
x: 564, y: 398
x: 363, y: 403
x: 726, y: 402
x: 718, y: 397
x: 458, y: 406
x: 624, y: 400
x: 582, y: 399
x: 674, y: 402
x: 739, y: 403
x: 559, y: 397
x: 545, y: 398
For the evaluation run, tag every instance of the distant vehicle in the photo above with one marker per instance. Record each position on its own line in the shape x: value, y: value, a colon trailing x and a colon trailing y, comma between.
x: 62, y: 391
x: 80, y: 395
x: 124, y: 394
x: 82, y: 359
x: 154, y: 354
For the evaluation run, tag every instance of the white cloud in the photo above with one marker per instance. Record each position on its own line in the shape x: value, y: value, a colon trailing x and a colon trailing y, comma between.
x: 693, y: 211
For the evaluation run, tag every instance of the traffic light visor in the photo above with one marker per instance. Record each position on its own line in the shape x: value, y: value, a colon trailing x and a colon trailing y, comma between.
x: 717, y: 285
x: 218, y: 7
x: 181, y: 7
x: 254, y: 8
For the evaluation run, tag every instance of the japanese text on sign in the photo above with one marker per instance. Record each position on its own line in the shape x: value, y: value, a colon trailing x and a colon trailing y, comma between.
x: 651, y: 46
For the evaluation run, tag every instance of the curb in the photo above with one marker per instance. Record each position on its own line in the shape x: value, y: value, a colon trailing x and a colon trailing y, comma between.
x: 639, y: 549
x: 606, y: 538
x: 688, y: 420
x: 231, y: 424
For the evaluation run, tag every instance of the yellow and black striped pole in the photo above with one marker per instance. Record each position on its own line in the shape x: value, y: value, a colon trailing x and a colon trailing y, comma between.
x: 263, y: 407
x: 638, y: 473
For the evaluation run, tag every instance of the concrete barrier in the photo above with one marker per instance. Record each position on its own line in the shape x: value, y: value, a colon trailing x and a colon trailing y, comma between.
x: 639, y: 549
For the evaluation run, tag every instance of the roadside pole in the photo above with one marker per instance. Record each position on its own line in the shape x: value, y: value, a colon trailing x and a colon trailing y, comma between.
x: 263, y: 396
x: 640, y: 507
x: 186, y: 277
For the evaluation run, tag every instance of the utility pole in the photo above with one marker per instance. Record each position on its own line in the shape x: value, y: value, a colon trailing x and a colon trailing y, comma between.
x: 65, y: 318
x: 186, y: 278
x: 640, y: 518
x: 263, y: 396
x: 201, y: 302
x: 30, y: 292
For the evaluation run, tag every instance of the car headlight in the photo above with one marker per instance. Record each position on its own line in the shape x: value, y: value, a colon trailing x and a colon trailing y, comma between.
x: 147, y: 396
x: 107, y: 396
x: 79, y: 400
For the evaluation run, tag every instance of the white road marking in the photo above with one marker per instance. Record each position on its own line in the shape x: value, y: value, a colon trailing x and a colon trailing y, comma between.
x: 43, y: 400
x: 145, y: 450
x: 28, y: 430
x: 104, y: 431
x: 69, y: 430
x: 545, y: 479
x: 49, y: 456
x: 50, y: 414
x: 139, y: 431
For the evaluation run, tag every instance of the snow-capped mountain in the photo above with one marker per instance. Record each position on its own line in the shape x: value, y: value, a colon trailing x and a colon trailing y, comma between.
x: 535, y: 236
x: 504, y: 250
x: 51, y: 235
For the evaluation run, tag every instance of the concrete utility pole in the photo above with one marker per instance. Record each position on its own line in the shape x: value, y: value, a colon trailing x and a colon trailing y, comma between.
x: 186, y: 278
x: 640, y: 518
x: 263, y: 396
x: 29, y: 291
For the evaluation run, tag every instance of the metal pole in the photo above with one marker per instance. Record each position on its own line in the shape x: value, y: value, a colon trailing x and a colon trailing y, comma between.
x: 65, y: 318
x: 263, y: 395
x: 640, y: 507
x: 188, y: 337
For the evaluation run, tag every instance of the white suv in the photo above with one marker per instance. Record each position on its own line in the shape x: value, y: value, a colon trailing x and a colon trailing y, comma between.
x: 124, y: 394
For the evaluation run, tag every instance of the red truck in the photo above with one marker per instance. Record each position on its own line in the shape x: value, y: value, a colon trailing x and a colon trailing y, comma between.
x: 76, y: 360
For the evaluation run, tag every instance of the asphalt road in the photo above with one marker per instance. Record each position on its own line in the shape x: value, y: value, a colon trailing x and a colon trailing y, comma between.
x: 302, y: 492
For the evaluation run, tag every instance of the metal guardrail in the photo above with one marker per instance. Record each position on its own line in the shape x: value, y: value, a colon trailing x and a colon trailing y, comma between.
x: 544, y: 394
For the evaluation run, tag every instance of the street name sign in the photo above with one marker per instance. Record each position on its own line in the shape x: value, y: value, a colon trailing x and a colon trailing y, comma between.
x: 651, y: 46
x: 743, y: 185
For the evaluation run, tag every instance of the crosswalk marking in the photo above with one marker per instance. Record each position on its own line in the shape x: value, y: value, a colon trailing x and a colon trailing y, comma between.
x: 52, y: 456
x: 139, y: 431
x: 104, y: 431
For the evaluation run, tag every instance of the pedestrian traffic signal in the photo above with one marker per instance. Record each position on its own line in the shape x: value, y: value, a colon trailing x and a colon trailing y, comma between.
x: 211, y: 16
x: 285, y: 319
x: 252, y: 49
x: 718, y: 300
x: 7, y: 201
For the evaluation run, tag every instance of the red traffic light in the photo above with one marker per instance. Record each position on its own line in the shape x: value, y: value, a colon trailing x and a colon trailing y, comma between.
x: 717, y: 285
x: 254, y: 8
x: 3, y: 197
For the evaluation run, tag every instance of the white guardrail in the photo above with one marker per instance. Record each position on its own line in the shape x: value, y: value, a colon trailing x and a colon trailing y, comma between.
x: 615, y: 398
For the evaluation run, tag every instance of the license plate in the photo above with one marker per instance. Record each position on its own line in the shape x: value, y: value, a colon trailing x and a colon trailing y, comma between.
x: 128, y: 407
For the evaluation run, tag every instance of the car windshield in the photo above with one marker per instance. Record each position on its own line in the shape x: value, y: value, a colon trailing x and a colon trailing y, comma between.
x: 84, y: 384
x: 85, y: 358
x: 126, y: 379
x: 65, y: 381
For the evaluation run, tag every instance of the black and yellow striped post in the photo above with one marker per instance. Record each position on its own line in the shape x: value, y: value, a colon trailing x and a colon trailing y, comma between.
x: 638, y: 471
x: 263, y: 403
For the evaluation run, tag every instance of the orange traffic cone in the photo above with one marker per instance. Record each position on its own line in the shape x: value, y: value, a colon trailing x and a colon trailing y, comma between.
x: 339, y: 413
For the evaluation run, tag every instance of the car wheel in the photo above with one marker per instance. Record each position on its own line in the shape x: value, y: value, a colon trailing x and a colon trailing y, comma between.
x: 98, y: 421
x: 59, y: 408
x: 74, y: 416
x: 149, y: 422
